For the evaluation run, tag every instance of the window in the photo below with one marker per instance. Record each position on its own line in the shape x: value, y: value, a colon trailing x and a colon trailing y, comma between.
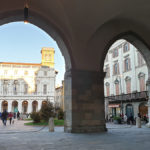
x: 44, y: 89
x: 107, y: 70
x: 127, y: 64
x: 45, y: 73
x: 5, y: 87
x: 115, y: 53
x: 25, y: 88
x: 117, y: 88
x: 126, y: 47
x: 140, y: 59
x: 128, y: 85
x: 116, y: 69
x: 142, y: 81
x: 107, y: 89
x: 15, y: 87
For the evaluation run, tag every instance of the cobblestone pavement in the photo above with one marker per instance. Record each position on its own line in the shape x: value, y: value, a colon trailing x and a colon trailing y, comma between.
x: 118, y: 137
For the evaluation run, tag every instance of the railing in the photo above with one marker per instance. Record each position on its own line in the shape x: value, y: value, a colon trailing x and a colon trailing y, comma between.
x: 131, y: 96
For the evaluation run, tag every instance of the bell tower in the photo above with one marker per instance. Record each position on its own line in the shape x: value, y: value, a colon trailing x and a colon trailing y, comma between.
x: 48, y: 57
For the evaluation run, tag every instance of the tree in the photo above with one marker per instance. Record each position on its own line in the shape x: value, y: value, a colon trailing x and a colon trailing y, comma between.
x: 47, y: 111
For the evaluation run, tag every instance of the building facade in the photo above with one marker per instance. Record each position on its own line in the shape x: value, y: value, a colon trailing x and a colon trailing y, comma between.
x: 25, y: 87
x: 125, y: 81
x: 59, y: 96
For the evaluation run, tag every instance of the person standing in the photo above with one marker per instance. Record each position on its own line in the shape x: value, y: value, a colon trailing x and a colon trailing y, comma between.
x: 4, y: 117
x: 10, y: 115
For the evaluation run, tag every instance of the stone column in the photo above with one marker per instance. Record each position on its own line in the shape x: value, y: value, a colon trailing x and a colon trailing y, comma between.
x: 9, y: 105
x: 84, y: 102
x: 29, y: 106
x: 148, y: 91
x: 20, y: 106
x: 39, y: 104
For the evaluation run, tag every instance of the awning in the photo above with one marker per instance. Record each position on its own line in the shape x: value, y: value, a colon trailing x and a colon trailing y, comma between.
x: 114, y: 105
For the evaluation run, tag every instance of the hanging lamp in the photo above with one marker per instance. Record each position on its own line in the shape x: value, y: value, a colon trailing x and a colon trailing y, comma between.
x: 26, y: 13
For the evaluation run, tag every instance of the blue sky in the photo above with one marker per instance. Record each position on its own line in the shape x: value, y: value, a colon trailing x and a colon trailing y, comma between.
x: 21, y: 42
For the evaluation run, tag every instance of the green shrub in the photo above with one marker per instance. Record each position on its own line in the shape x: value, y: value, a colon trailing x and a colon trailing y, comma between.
x: 47, y: 111
x: 36, y: 117
x: 118, y: 119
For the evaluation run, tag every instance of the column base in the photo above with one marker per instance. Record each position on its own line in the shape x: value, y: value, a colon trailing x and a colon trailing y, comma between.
x: 89, y: 129
x: 148, y: 125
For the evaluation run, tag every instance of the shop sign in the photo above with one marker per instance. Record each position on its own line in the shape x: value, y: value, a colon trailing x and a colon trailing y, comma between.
x: 114, y: 105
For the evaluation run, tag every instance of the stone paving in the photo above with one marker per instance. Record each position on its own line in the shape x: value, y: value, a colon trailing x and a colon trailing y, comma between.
x: 118, y: 137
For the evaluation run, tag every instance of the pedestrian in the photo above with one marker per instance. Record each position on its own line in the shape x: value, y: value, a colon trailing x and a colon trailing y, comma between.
x: 139, y: 115
x: 18, y: 115
x: 0, y: 115
x: 4, y: 117
x: 14, y: 115
x: 131, y: 119
x: 125, y: 118
x: 10, y: 116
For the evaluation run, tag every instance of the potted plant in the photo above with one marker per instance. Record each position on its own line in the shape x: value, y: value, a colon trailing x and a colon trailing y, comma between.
x: 117, y: 120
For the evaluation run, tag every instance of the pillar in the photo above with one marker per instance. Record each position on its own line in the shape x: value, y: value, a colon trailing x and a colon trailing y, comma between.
x: 39, y: 105
x: 84, y: 102
x: 29, y: 106
x: 20, y: 106
x: 9, y: 105
x: 148, y: 91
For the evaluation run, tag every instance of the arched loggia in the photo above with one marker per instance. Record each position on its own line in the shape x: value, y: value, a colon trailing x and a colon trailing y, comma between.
x: 63, y: 43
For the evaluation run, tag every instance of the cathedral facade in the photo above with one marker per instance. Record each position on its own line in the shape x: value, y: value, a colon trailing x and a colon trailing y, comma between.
x: 25, y: 87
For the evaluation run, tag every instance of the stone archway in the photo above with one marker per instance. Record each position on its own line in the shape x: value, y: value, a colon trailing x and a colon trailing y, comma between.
x: 14, y: 106
x: 24, y: 107
x: 143, y: 109
x: 84, y: 93
x: 34, y: 106
x: 44, y: 103
x: 4, y: 105
x: 62, y: 42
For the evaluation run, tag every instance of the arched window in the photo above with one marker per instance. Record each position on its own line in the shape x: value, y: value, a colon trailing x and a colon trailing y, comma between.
x: 116, y: 68
x: 45, y: 89
x: 128, y: 84
x: 127, y: 65
x: 141, y: 77
x: 117, y: 86
x: 5, y: 87
x: 115, y: 53
x: 15, y: 87
x: 126, y: 47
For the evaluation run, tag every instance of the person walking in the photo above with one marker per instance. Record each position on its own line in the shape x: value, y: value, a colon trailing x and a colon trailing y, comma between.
x: 10, y: 116
x: 18, y: 115
x: 4, y: 117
